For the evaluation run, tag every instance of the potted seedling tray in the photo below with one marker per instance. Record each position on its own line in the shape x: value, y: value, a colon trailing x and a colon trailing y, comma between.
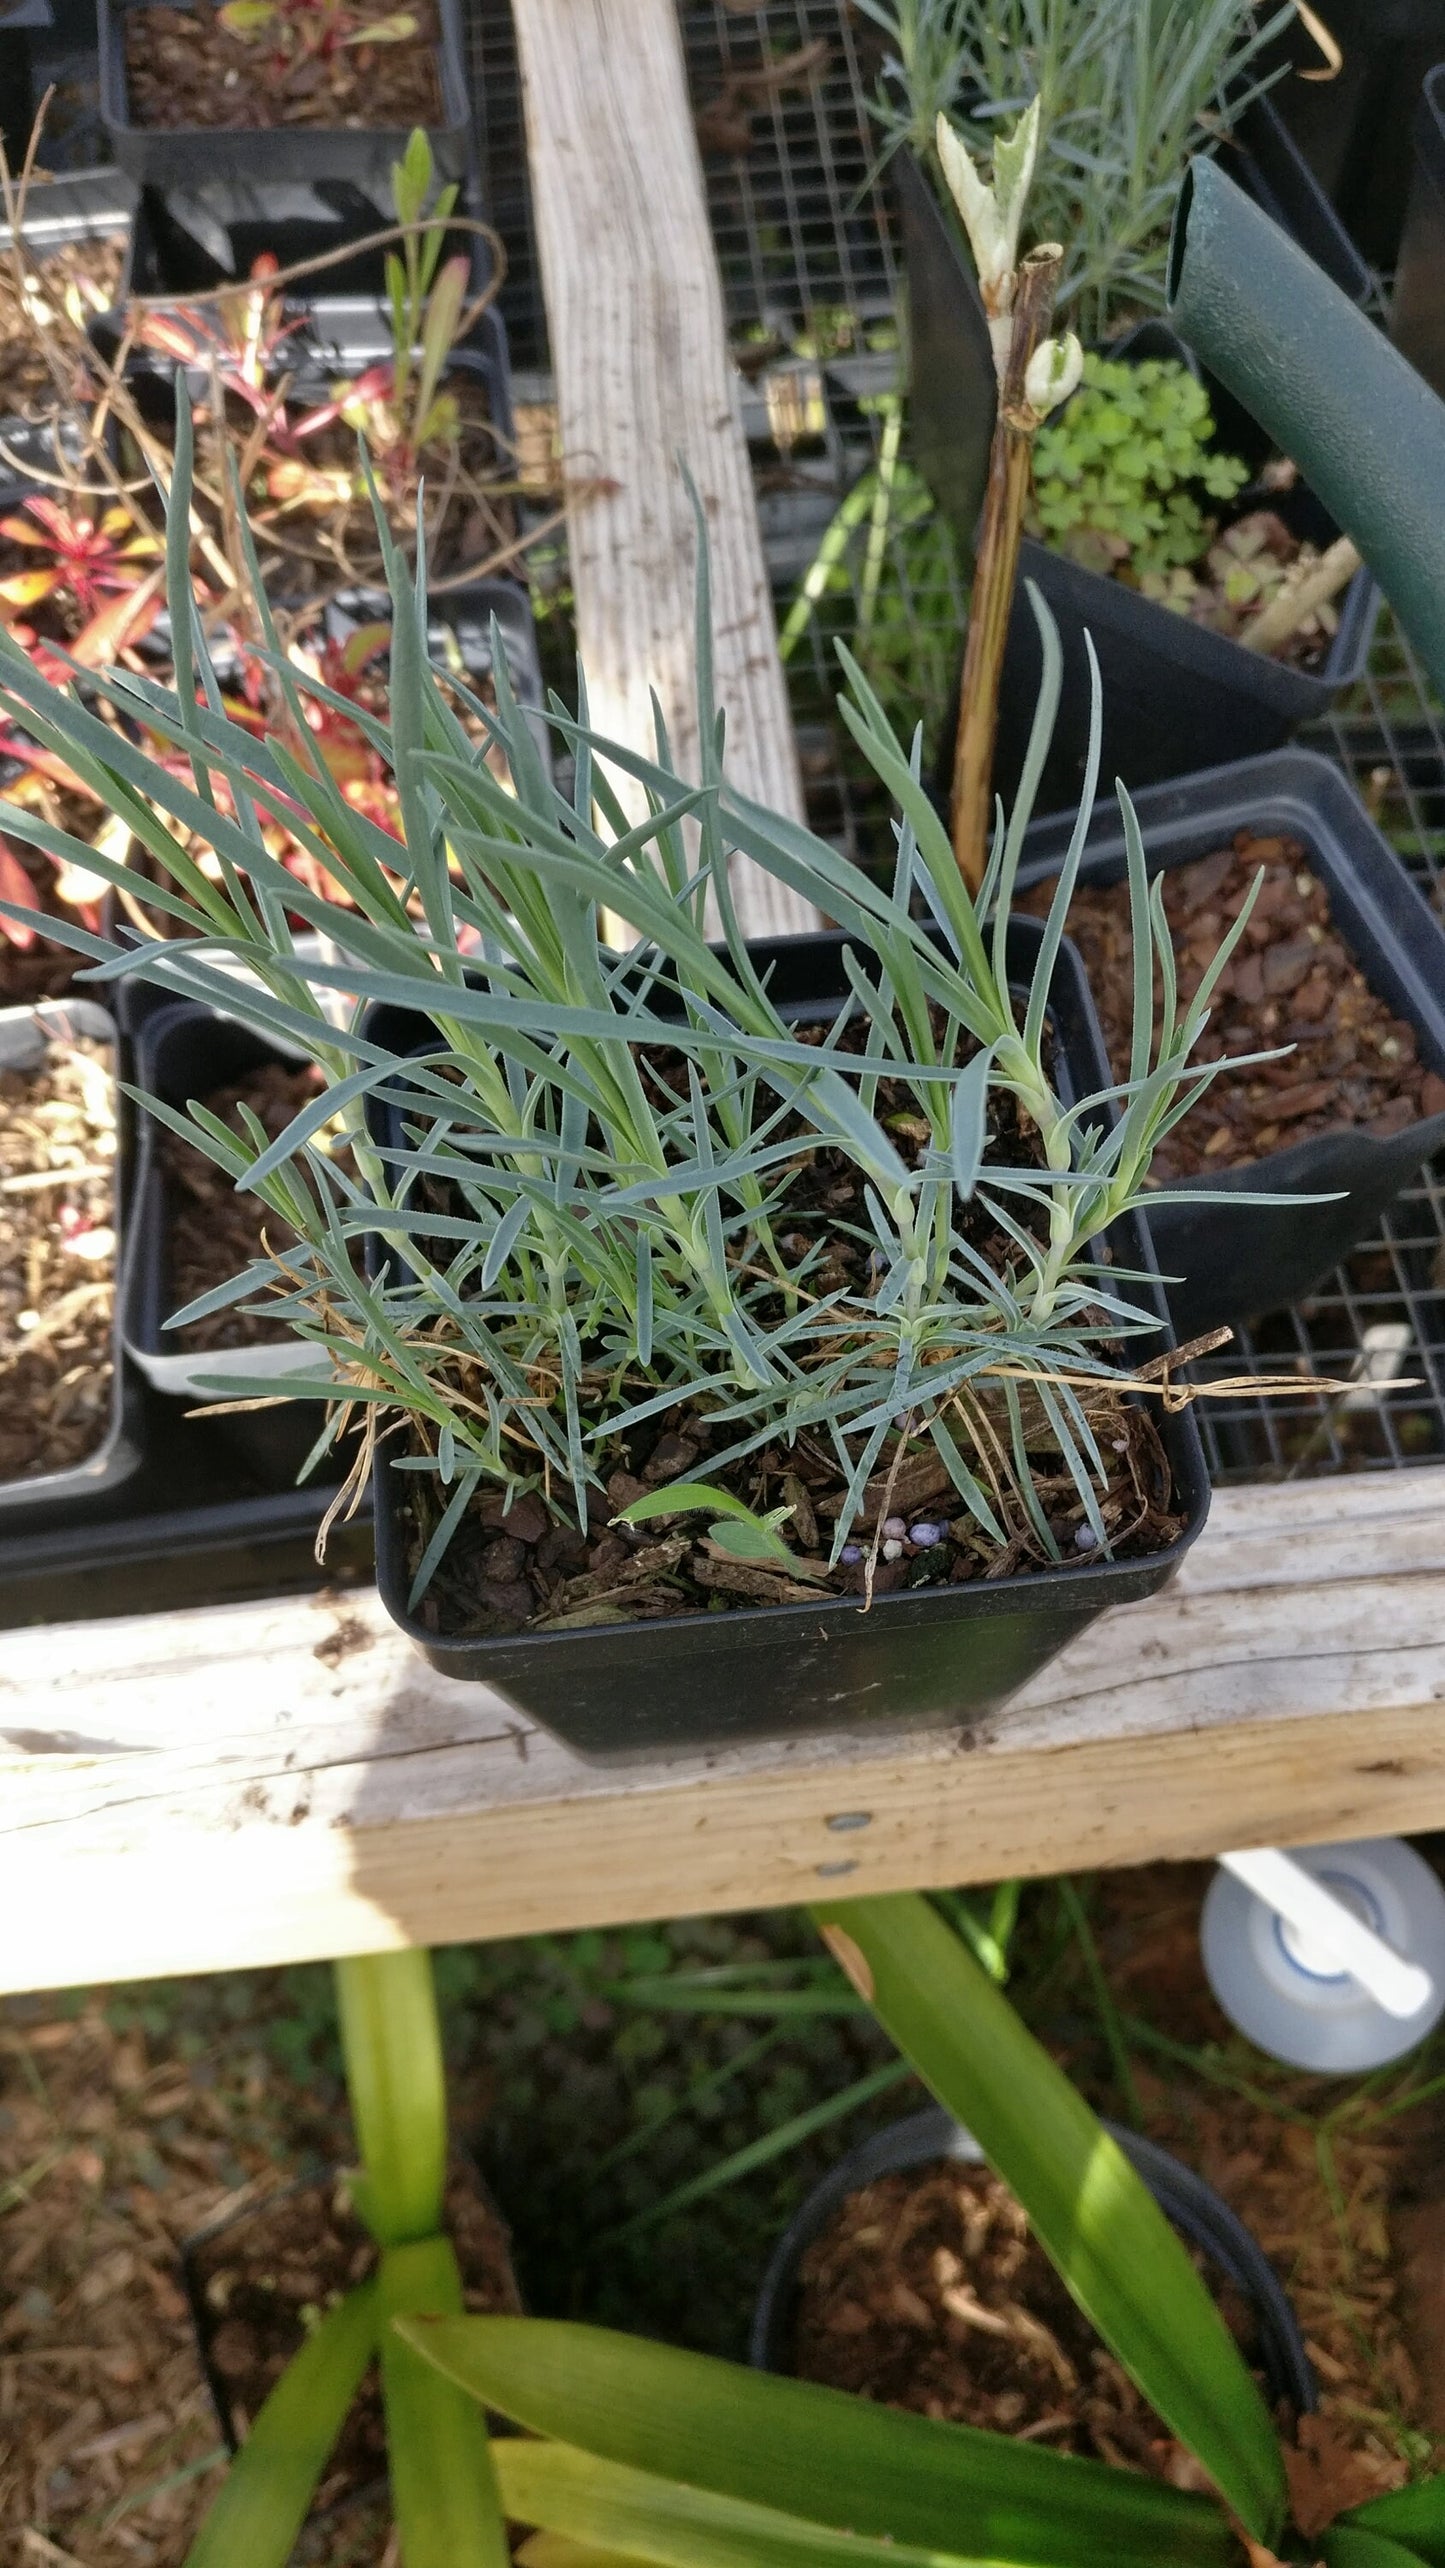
x: 169, y: 156
x: 1417, y: 305
x: 1228, y: 1261
x: 49, y: 1223
x: 193, y: 1526
x: 921, y: 1657
x: 1232, y: 2256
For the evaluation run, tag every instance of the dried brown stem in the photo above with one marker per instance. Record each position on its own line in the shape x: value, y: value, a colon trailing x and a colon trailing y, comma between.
x: 996, y: 566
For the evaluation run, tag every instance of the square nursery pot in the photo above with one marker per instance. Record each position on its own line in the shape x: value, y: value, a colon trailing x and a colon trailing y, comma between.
x: 1176, y: 697
x: 921, y: 1658
x: 192, y: 240
x: 83, y: 205
x: 1417, y: 305
x: 55, y: 1499
x: 1234, y: 1260
x: 182, y: 1052
x: 196, y: 155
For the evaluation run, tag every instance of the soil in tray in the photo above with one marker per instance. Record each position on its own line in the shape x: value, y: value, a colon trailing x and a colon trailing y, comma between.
x: 313, y: 510
x: 80, y: 279
x: 1291, y: 981
x: 1232, y: 581
x: 503, y: 1571
x: 184, y: 67
x: 212, y: 1233
x: 260, y: 2283
x: 928, y: 2291
x: 57, y: 1259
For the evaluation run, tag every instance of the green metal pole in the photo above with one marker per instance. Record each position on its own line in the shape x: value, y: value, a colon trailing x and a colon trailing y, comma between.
x: 1366, y: 432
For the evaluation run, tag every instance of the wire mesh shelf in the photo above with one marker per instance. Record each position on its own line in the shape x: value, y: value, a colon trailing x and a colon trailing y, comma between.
x: 802, y: 227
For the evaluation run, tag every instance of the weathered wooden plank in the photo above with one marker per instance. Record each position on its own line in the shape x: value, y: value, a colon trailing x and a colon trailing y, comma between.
x: 645, y: 384
x: 269, y: 1782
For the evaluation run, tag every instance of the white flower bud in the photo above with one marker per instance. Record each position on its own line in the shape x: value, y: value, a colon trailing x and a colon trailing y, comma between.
x: 1054, y: 371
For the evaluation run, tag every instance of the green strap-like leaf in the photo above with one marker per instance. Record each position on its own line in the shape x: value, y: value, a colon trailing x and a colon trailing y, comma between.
x: 1346, y: 2545
x: 684, y: 2527
x: 1413, y: 2516
x: 397, y: 2085
x: 819, y: 2453
x: 443, y: 2486
x: 1096, y: 2221
x: 269, y: 2486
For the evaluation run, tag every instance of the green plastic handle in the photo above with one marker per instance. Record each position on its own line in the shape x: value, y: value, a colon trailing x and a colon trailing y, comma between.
x: 1366, y: 432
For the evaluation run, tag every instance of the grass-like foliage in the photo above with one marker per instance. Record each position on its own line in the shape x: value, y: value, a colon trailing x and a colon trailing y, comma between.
x: 581, y: 1209
x: 1128, y: 88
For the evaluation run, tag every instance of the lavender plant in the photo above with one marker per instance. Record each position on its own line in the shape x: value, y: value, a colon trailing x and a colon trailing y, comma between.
x: 581, y: 1205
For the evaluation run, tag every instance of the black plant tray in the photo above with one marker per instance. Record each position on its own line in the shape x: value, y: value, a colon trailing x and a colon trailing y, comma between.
x: 1417, y: 306
x: 193, y: 241
x: 1237, y: 1260
x: 194, y: 1527
x: 921, y: 1658
x: 191, y: 156
x: 1201, y: 2216
x: 180, y: 1052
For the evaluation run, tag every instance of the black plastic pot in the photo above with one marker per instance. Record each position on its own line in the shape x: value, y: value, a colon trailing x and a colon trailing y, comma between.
x: 1176, y: 697
x: 19, y: 23
x: 183, y: 1052
x: 193, y: 240
x: 1351, y: 128
x: 1191, y: 2206
x: 195, y: 155
x: 1417, y: 306
x: 921, y: 1658
x: 1236, y: 1260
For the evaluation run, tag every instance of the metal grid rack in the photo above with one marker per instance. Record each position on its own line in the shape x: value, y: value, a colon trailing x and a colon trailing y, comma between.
x: 810, y: 282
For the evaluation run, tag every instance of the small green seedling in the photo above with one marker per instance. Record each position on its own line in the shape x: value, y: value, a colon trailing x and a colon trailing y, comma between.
x: 739, y: 1530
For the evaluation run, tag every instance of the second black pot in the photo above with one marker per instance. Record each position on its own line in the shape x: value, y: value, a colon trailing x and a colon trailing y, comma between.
x: 1232, y: 1260
x: 922, y: 1658
x: 1192, y: 2207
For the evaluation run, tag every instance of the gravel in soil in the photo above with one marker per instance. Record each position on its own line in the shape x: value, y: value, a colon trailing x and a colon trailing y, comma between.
x: 57, y: 1258
x: 184, y: 67
x: 928, y: 2291
x: 212, y: 1232
x: 1292, y: 980
x: 261, y: 2280
x: 80, y: 279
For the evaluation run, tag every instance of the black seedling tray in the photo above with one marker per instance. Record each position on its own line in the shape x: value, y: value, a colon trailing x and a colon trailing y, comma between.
x: 1232, y: 1260
x: 920, y: 1658
x: 192, y: 241
x: 195, y: 155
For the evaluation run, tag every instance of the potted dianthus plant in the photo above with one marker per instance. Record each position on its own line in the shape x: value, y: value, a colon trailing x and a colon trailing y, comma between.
x: 743, y: 1339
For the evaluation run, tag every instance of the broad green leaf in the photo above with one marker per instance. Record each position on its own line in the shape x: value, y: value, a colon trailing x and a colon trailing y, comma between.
x: 269, y: 2486
x: 1095, y: 2219
x: 1345, y: 2545
x: 1414, y: 2516
x: 556, y: 2550
x: 443, y: 2487
x: 397, y: 2085
x: 816, y: 2452
x: 684, y: 2527
x: 247, y: 17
